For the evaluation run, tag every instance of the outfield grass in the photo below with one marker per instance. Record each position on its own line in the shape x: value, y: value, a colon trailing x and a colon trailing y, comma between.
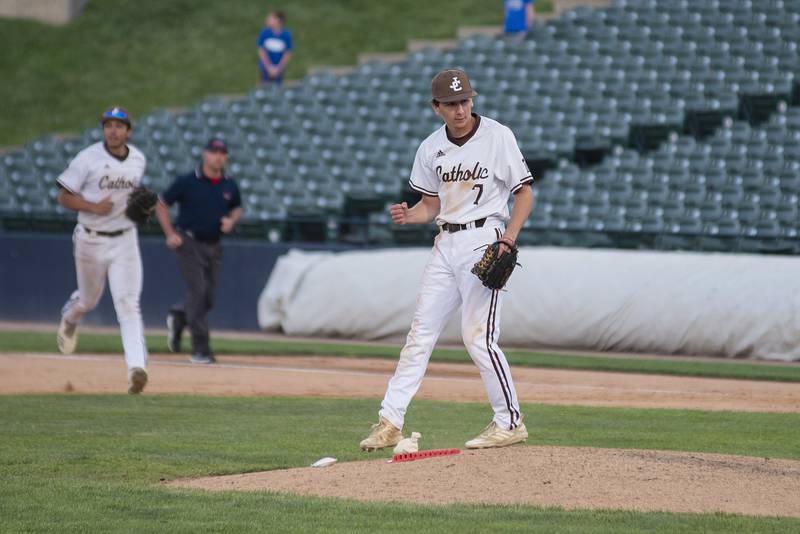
x: 93, y: 463
x: 167, y: 53
x: 111, y: 343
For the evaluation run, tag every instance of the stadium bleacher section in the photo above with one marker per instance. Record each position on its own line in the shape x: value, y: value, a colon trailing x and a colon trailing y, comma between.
x: 666, y: 124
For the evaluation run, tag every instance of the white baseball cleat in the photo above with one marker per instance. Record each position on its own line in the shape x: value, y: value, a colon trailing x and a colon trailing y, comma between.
x: 494, y: 436
x: 138, y: 379
x: 67, y: 336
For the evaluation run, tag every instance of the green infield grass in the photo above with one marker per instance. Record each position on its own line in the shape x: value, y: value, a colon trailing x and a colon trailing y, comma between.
x: 110, y: 343
x: 71, y: 463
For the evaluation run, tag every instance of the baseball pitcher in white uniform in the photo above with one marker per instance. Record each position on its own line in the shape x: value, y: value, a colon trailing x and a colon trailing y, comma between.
x: 465, y: 171
x: 96, y: 184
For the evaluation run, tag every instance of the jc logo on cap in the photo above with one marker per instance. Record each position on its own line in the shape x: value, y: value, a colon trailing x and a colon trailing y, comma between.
x: 451, y: 85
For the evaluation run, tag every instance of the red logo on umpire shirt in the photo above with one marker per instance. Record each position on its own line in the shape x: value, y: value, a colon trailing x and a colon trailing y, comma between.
x: 226, y: 196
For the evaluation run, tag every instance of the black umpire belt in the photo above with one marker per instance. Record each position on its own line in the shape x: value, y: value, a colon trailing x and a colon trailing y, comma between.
x: 450, y: 227
x: 202, y: 239
x: 115, y: 233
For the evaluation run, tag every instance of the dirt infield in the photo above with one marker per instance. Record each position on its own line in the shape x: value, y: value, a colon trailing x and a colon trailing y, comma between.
x: 367, y: 378
x: 568, y: 477
x: 546, y: 476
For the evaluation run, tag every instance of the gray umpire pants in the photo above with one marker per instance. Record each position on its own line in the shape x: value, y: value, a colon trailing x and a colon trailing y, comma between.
x: 199, y: 262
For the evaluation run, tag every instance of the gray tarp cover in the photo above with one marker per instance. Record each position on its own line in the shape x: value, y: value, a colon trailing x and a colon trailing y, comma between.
x: 681, y: 303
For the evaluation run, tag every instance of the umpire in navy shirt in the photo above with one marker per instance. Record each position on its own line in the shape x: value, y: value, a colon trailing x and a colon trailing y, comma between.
x: 209, y: 205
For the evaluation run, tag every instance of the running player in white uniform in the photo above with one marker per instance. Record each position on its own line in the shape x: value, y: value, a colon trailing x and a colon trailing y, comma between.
x: 97, y: 184
x: 465, y: 171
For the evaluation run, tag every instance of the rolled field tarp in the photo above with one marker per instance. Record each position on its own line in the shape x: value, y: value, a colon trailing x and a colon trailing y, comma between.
x: 733, y: 305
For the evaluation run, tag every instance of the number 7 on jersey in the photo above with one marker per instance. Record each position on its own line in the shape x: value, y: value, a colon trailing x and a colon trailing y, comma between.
x: 479, y: 187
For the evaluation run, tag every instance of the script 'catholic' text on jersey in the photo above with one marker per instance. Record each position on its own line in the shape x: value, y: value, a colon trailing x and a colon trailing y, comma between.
x: 94, y: 174
x: 472, y: 181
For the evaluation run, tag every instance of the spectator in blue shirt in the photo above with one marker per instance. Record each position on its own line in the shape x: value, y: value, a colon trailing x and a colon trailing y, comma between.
x: 518, y: 16
x: 274, y: 48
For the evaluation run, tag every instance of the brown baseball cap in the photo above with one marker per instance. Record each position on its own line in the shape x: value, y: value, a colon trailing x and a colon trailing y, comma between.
x: 451, y: 85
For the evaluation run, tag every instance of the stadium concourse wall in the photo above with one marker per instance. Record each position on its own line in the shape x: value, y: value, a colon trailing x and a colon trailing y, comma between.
x: 732, y: 305
x: 57, y: 12
x: 37, y: 275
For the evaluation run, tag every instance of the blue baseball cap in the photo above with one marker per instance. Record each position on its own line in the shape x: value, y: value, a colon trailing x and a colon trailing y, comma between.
x: 215, y: 144
x: 116, y: 113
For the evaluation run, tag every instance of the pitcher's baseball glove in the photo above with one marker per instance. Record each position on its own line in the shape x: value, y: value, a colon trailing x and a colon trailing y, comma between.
x: 141, y: 203
x: 494, y: 269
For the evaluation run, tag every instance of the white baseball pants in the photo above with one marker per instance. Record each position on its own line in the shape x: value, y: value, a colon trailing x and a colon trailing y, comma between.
x: 118, y: 259
x: 447, y: 283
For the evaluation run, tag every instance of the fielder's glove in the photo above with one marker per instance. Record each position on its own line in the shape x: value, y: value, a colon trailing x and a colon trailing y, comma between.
x: 141, y: 204
x: 494, y: 269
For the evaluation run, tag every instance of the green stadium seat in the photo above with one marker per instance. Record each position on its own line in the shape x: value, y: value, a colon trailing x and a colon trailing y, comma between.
x: 731, y: 196
x: 748, y: 213
x: 768, y: 198
x: 711, y: 211
x: 673, y: 206
x: 651, y: 222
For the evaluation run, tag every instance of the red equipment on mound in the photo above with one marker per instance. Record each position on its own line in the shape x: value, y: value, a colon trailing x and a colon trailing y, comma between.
x: 421, y: 455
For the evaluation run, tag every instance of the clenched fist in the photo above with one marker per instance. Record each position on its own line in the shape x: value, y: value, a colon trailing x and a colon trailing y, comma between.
x: 399, y: 213
x: 174, y: 240
x: 103, y: 207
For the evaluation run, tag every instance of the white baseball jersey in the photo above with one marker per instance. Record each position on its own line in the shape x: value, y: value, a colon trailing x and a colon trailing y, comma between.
x: 472, y: 181
x: 94, y: 174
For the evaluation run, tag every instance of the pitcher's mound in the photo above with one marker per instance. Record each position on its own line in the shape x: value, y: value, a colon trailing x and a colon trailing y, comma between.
x: 549, y: 476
